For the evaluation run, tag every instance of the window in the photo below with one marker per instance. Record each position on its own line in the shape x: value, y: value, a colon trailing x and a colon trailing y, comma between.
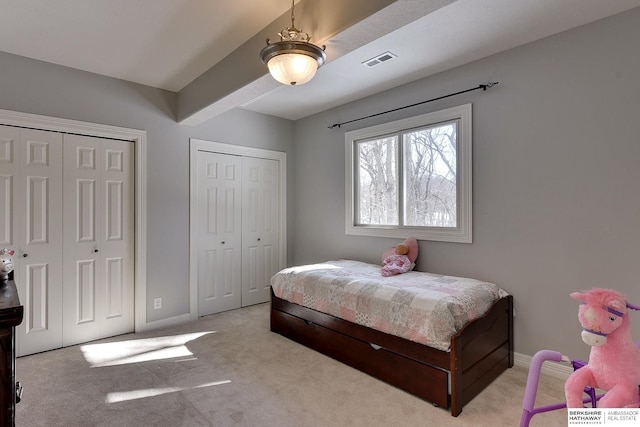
x: 411, y: 177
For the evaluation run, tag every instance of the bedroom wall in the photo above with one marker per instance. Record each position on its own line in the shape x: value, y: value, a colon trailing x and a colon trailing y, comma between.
x: 40, y: 88
x: 556, y: 155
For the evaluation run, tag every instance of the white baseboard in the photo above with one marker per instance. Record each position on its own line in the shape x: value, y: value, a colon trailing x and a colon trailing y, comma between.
x: 560, y: 370
x: 171, y: 321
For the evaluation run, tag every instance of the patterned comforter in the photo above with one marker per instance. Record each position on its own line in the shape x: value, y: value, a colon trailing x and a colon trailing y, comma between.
x: 422, y: 307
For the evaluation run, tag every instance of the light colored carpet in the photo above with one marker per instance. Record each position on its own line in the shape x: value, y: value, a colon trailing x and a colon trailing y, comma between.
x: 228, y: 369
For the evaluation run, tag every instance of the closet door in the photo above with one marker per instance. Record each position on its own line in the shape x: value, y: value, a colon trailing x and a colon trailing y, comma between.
x: 9, y: 169
x: 31, y: 182
x: 219, y: 232
x: 98, y: 240
x: 260, y: 220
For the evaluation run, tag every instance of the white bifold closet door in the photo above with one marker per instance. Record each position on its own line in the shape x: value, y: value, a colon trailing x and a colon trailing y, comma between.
x: 68, y: 213
x: 31, y: 172
x: 219, y: 254
x: 260, y: 201
x: 98, y: 239
x: 238, y: 217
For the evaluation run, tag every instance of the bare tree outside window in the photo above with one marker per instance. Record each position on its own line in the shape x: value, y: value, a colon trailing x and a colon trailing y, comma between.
x: 430, y: 176
x: 378, y: 181
x: 429, y: 166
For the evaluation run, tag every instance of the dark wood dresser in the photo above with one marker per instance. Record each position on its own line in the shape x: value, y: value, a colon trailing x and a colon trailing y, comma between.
x: 11, y: 313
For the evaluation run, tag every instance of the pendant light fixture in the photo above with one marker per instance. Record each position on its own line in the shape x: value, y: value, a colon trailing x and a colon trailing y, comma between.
x: 293, y: 60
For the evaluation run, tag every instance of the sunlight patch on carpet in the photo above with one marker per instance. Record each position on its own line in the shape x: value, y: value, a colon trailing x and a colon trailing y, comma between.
x: 141, y: 350
x: 123, y: 396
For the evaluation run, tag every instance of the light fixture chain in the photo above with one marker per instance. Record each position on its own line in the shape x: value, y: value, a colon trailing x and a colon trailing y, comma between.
x: 293, y: 18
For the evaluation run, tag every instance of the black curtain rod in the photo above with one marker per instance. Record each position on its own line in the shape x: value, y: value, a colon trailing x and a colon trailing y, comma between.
x: 483, y: 87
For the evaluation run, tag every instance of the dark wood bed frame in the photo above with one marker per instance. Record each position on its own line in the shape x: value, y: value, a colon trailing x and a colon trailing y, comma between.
x: 479, y: 353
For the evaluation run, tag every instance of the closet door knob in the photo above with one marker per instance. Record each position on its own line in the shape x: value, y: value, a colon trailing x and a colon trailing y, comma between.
x: 25, y: 255
x: 222, y: 242
x: 95, y: 250
x: 258, y: 239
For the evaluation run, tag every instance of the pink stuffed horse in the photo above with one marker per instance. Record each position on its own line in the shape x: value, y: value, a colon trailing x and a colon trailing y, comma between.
x: 614, y: 361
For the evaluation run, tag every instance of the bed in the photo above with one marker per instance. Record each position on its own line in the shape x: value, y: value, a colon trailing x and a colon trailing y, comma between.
x: 440, y: 338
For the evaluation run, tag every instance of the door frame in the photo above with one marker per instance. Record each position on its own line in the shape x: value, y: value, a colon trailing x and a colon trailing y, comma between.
x: 196, y: 145
x: 139, y: 138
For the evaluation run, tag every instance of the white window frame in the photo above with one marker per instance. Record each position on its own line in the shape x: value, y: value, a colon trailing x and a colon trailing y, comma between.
x: 462, y: 233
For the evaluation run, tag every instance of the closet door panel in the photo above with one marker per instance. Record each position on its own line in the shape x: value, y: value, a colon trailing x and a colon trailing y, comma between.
x: 37, y: 286
x: 116, y: 289
x: 206, y: 273
x: 260, y: 232
x: 85, y: 289
x: 9, y: 138
x: 6, y: 207
x: 37, y: 221
x: 85, y: 196
x: 98, y: 274
x: 251, y: 227
x: 82, y: 267
x: 219, y: 232
x: 114, y: 211
x: 117, y: 248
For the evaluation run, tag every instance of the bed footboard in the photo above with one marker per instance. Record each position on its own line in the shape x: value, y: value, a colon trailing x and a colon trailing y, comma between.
x: 486, y: 346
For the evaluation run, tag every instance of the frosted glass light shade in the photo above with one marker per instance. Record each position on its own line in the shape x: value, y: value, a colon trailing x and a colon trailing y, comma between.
x: 292, y: 62
x: 293, y: 68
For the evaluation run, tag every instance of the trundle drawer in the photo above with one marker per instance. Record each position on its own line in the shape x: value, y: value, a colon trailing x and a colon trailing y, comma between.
x: 422, y: 380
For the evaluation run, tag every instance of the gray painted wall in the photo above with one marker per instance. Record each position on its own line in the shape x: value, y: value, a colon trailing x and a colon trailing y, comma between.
x: 40, y: 88
x: 556, y: 148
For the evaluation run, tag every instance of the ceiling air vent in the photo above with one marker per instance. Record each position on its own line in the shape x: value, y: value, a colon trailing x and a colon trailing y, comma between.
x: 383, y: 57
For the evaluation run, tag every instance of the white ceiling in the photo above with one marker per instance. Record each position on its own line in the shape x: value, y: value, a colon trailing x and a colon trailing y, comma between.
x: 168, y: 43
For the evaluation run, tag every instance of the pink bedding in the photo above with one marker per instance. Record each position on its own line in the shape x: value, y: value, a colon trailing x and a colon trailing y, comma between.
x: 421, y: 307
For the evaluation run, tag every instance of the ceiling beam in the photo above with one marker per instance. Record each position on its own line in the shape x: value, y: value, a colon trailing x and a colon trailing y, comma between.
x: 241, y: 76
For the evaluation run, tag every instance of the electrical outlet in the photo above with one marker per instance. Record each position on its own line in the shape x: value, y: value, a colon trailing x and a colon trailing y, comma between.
x: 157, y: 303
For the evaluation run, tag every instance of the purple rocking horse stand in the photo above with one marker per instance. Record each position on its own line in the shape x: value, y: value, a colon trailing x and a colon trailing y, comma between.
x: 528, y: 403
